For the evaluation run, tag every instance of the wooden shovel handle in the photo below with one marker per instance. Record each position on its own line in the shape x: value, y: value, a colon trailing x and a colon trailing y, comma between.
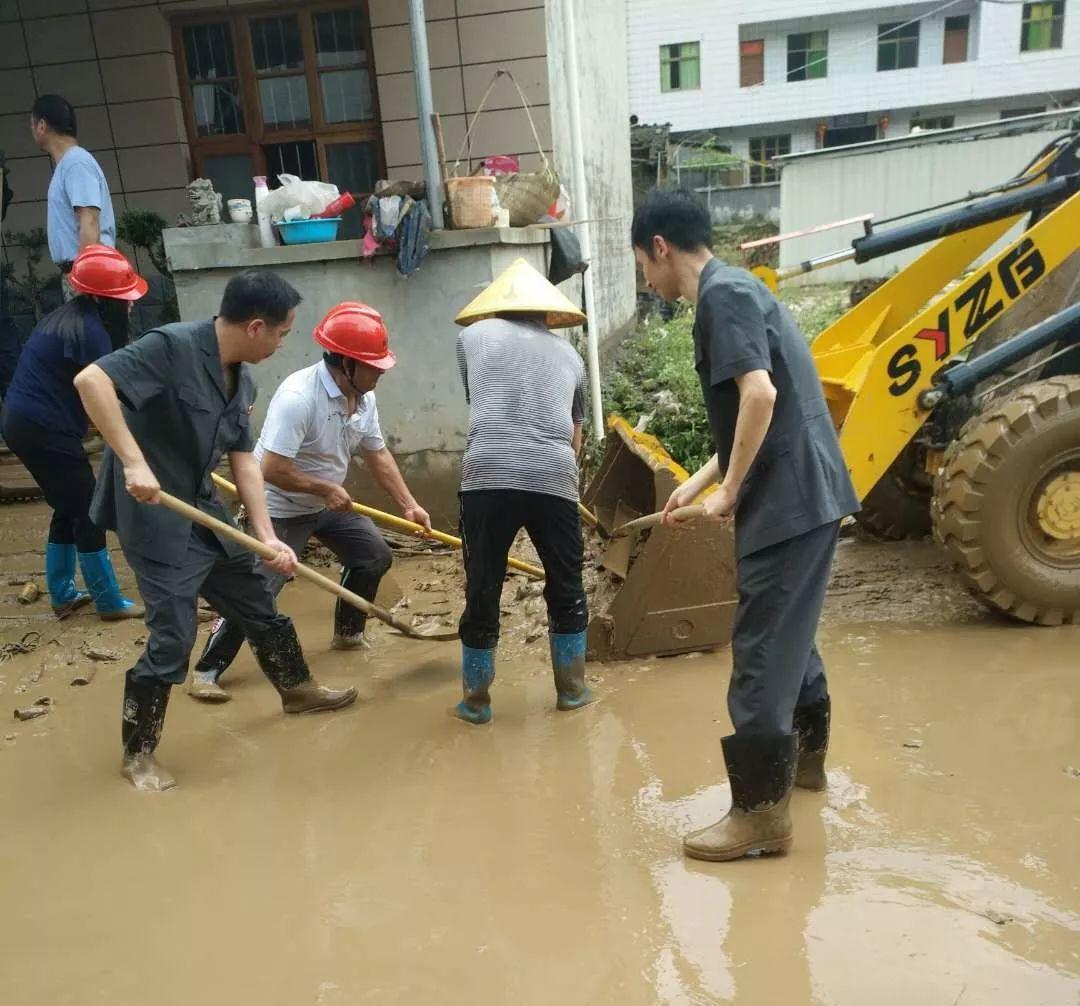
x: 404, y: 525
x: 267, y: 552
x: 682, y: 513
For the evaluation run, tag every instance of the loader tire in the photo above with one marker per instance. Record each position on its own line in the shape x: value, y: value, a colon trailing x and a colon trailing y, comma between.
x: 1006, y: 506
x: 898, y: 506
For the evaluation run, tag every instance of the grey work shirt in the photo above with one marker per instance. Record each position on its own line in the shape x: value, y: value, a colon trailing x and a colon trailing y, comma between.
x: 798, y: 481
x: 174, y: 398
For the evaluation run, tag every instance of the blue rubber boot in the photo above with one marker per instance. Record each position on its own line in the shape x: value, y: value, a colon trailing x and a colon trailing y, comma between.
x: 568, y: 663
x: 100, y: 577
x: 60, y: 579
x: 477, y: 673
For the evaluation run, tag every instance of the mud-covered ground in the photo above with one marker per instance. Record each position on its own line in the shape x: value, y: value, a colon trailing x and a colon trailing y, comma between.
x: 391, y: 854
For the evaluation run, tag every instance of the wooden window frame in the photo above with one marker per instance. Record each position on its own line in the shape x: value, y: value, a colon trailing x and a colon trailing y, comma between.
x: 258, y: 134
x: 770, y: 147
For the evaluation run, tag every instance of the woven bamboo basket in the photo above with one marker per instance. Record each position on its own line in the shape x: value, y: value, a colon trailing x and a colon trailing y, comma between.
x: 471, y: 201
x: 527, y: 194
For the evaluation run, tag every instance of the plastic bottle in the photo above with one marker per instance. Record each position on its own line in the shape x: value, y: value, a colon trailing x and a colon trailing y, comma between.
x: 346, y: 201
x: 266, y: 232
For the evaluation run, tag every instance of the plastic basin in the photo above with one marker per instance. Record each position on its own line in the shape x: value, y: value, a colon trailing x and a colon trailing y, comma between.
x: 305, y: 232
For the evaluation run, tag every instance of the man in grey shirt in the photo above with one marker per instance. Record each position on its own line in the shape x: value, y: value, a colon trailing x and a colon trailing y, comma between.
x: 526, y: 389
x: 778, y: 472
x: 80, y: 211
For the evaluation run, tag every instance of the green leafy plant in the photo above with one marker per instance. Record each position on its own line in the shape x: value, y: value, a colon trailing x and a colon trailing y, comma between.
x: 28, y: 286
x: 142, y: 229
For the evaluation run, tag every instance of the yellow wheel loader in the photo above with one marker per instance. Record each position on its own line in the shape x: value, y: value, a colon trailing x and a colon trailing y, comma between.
x: 956, y: 396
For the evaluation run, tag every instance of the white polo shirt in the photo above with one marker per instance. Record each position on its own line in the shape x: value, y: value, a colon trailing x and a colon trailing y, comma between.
x: 308, y: 421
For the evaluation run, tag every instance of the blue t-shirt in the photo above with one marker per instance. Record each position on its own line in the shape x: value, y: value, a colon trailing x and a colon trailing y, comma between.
x: 77, y: 181
x: 43, y: 389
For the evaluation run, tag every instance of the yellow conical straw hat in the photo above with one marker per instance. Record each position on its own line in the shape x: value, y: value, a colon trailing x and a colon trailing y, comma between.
x: 521, y: 288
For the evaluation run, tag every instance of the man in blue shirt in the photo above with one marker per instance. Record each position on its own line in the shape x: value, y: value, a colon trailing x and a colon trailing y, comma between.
x: 80, y: 211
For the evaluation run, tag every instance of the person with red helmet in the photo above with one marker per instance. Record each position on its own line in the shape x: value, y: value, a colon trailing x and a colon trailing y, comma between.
x: 45, y: 423
x: 319, y: 419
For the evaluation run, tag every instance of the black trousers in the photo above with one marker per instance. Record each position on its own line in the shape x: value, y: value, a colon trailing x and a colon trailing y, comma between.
x: 489, y: 523
x: 59, y: 465
x: 230, y: 584
x: 358, y: 546
x: 776, y: 664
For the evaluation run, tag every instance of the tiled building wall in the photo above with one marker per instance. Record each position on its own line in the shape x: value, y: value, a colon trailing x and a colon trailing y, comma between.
x: 113, y: 60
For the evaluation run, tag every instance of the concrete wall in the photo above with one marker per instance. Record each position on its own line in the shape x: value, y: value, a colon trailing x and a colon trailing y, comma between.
x: 887, y: 181
x: 743, y: 202
x: 605, y: 126
x: 421, y: 402
x: 996, y: 68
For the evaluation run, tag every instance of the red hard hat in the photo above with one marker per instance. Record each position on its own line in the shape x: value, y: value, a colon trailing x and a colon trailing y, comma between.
x: 357, y: 331
x: 104, y: 272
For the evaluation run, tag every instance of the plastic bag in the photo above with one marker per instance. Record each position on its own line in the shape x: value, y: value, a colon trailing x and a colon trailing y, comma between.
x: 310, y: 197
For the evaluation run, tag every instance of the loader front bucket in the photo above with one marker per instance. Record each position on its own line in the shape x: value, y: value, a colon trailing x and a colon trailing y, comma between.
x: 677, y: 591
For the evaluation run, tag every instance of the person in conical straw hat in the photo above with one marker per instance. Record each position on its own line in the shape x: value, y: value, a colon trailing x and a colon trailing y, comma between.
x: 525, y: 385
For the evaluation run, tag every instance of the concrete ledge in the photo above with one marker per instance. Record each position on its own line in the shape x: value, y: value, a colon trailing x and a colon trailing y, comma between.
x: 232, y: 246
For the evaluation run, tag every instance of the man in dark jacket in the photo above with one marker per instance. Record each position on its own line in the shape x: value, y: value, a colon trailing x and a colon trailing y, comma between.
x: 779, y: 474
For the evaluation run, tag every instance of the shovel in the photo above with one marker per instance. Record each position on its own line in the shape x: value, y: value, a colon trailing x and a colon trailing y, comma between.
x: 405, y: 525
x: 305, y: 572
x: 683, y: 513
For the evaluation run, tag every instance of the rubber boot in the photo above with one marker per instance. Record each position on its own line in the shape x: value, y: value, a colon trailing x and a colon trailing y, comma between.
x: 477, y: 673
x: 812, y: 728
x: 222, y: 646
x: 145, y: 702
x: 568, y: 665
x: 350, y: 621
x: 761, y: 770
x: 277, y: 651
x: 100, y: 577
x: 60, y: 579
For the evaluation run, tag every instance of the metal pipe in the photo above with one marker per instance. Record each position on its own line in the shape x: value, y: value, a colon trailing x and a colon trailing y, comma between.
x: 425, y: 106
x: 581, y: 210
x: 875, y: 245
x: 813, y: 264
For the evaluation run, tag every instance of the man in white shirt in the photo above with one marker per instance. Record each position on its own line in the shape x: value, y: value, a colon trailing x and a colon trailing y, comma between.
x: 318, y: 420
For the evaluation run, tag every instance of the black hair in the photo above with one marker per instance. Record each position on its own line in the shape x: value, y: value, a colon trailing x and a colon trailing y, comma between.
x: 56, y: 112
x: 257, y: 293
x: 68, y: 323
x: 335, y: 360
x: 677, y: 215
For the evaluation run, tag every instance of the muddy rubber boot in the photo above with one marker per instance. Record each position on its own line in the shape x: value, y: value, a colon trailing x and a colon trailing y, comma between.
x: 145, y: 702
x: 278, y: 653
x: 812, y: 728
x: 761, y: 770
x: 204, y: 687
x: 60, y: 579
x: 350, y: 621
x: 100, y: 577
x: 477, y: 673
x: 222, y: 646
x: 568, y: 665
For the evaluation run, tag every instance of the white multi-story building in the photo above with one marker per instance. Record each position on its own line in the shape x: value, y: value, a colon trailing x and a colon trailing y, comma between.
x: 769, y: 77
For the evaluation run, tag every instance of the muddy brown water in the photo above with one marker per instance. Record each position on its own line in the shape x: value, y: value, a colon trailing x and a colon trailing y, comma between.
x: 391, y: 854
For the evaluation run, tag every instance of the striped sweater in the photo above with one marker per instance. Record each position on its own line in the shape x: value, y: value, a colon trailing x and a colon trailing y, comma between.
x: 526, y: 389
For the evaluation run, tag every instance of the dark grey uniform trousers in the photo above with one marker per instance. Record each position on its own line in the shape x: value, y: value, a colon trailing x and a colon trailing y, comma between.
x: 359, y: 547
x: 170, y: 593
x: 776, y: 662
